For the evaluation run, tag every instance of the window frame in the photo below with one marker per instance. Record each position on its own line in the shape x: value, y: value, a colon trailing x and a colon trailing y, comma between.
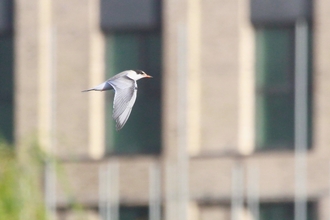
x: 285, y: 89
x: 142, y: 62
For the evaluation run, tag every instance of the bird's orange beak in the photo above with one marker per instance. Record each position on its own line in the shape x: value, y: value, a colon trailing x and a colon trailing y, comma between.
x: 148, y: 76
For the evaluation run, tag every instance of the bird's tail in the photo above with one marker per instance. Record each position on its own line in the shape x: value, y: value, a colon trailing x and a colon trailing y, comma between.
x: 87, y: 90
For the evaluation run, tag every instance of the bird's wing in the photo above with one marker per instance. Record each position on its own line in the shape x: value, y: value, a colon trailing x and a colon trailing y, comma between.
x: 125, y: 96
x: 122, y: 118
x: 121, y: 82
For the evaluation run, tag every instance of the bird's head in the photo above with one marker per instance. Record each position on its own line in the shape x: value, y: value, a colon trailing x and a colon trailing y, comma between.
x: 139, y: 74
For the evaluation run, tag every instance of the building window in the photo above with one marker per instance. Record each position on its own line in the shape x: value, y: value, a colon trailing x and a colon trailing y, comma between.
x: 6, y: 88
x: 284, y: 211
x: 142, y: 132
x: 275, y: 62
x: 134, y: 213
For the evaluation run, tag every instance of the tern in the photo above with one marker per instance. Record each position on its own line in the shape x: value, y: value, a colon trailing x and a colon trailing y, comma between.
x: 125, y: 87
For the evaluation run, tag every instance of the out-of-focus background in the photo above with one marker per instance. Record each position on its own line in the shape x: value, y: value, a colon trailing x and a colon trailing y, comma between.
x: 234, y: 125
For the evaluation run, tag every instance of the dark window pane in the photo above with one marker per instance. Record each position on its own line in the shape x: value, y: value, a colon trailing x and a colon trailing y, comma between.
x: 136, y: 50
x: 275, y: 56
x: 275, y: 87
x: 284, y: 211
x: 133, y: 213
x: 6, y: 87
x: 310, y: 88
x: 276, y: 121
x: 275, y: 61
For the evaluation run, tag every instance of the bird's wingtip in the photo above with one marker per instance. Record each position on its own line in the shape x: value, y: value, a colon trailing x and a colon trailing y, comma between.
x: 119, y: 127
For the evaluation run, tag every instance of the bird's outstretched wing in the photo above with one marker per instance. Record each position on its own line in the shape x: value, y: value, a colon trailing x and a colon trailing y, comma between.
x: 125, y: 96
x: 122, y: 118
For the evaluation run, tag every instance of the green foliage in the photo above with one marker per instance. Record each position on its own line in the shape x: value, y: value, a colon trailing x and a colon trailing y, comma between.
x: 20, y: 194
x: 21, y: 183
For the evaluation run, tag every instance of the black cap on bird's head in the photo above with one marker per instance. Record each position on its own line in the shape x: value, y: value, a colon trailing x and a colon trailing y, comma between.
x: 142, y: 73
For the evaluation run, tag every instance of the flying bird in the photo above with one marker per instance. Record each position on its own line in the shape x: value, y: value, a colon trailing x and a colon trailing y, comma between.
x: 125, y: 87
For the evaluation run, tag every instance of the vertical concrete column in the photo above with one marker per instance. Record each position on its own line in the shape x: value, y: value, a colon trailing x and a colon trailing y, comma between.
x: 194, y: 76
x: 80, y: 48
x: 181, y: 97
x: 28, y: 69
x: 321, y: 77
x: 246, y: 80
x: 45, y: 73
x: 96, y: 76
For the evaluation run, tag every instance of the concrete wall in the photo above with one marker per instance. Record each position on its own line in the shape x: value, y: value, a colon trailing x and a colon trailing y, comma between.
x: 208, y: 104
x: 59, y: 52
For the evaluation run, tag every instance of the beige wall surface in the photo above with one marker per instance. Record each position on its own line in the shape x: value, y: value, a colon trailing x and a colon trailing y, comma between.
x: 208, y: 103
x: 59, y: 52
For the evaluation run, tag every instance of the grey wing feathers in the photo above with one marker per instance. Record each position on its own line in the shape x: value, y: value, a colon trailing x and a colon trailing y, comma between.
x: 121, y: 101
x: 125, y: 96
x: 122, y: 118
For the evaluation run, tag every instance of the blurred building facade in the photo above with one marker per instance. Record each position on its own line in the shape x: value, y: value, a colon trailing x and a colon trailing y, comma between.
x: 218, y: 118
